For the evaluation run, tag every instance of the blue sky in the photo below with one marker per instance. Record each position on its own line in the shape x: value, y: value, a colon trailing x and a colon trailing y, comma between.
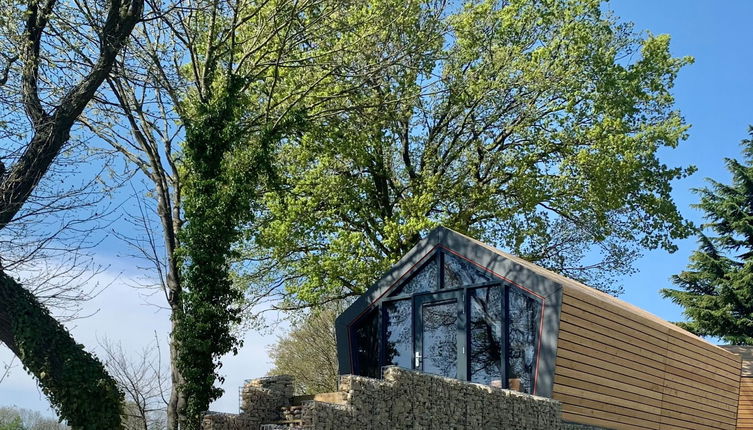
x: 714, y: 94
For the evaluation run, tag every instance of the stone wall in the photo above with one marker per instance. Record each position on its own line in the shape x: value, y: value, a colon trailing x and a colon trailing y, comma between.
x: 261, y: 402
x: 404, y: 399
x: 411, y: 400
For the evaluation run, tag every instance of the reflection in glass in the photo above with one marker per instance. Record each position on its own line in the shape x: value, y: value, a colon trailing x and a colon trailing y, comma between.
x: 425, y: 280
x: 489, y: 330
x: 367, y: 345
x: 459, y: 272
x: 486, y: 320
x: 523, y: 333
x: 440, y: 353
x: 398, y: 334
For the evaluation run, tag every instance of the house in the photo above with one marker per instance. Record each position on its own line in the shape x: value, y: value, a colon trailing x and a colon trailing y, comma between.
x: 458, y: 308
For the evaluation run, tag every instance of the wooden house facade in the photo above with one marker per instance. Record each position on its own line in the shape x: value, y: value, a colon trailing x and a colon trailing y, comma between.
x: 457, y: 307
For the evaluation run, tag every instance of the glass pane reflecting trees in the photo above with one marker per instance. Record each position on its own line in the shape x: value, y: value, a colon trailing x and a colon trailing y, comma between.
x: 427, y: 279
x: 398, y: 333
x: 416, y: 319
x: 486, y: 341
x: 439, y: 338
x: 459, y: 272
x: 523, y: 328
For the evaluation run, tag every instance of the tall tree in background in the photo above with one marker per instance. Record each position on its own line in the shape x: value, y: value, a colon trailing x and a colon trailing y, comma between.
x: 24, y: 419
x: 532, y: 125
x: 308, y: 352
x: 75, y: 381
x: 716, y: 291
x: 232, y: 79
x: 250, y: 95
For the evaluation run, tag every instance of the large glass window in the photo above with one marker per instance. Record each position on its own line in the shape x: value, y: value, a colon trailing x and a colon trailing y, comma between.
x: 398, y: 333
x: 459, y: 272
x: 366, y: 340
x: 426, y: 279
x: 486, y: 323
x: 463, y: 324
x: 524, y: 317
x: 439, y: 338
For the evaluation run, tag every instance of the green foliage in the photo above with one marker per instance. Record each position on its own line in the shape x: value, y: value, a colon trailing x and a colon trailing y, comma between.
x: 12, y: 418
x: 309, y: 352
x: 256, y: 85
x: 212, y: 206
x: 223, y: 163
x: 75, y: 381
x: 13, y: 424
x: 532, y: 125
x: 717, y: 289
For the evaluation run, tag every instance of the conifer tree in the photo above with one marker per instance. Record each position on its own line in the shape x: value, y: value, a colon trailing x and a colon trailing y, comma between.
x: 716, y: 290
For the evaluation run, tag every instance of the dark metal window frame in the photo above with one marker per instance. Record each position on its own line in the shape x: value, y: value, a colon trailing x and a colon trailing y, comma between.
x: 463, y: 305
x: 436, y: 298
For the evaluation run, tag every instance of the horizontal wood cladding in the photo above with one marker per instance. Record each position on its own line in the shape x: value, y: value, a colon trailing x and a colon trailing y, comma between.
x: 620, y: 367
x: 745, y: 408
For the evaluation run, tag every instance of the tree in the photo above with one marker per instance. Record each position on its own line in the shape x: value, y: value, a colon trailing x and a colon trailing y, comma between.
x: 532, y: 125
x: 141, y: 378
x: 23, y: 419
x: 143, y: 115
x: 231, y: 79
x: 181, y: 50
x: 716, y: 290
x: 14, y: 423
x: 309, y: 352
x: 74, y: 380
x: 234, y: 117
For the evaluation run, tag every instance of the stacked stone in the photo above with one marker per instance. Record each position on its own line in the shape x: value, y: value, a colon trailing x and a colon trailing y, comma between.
x: 291, y: 413
x: 429, y: 401
x: 220, y: 421
x: 425, y: 400
x: 404, y: 399
x: 319, y: 415
x: 263, y: 398
x: 367, y: 394
x: 261, y: 402
x: 533, y: 412
x: 274, y: 427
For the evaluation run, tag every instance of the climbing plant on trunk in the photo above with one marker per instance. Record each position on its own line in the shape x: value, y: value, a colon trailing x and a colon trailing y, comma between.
x: 75, y: 381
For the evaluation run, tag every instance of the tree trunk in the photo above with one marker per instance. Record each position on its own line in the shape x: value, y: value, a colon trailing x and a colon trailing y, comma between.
x: 177, y: 404
x: 75, y: 381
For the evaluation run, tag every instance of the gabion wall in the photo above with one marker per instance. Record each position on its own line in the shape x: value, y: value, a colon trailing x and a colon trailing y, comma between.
x: 261, y: 402
x: 404, y: 399
x: 411, y: 400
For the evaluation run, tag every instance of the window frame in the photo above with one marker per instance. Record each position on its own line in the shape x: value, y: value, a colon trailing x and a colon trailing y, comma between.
x: 463, y: 359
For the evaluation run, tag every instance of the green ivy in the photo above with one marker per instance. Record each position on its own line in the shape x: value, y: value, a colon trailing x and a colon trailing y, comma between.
x: 203, y: 327
x: 75, y: 381
x: 223, y: 166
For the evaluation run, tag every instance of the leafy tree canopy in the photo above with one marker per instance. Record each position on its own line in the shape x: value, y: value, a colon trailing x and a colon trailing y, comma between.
x: 533, y: 125
x: 308, y: 352
x: 256, y: 81
x: 716, y: 290
x: 12, y: 418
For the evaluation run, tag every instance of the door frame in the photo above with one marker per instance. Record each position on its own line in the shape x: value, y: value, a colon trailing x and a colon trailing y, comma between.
x: 437, y: 297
